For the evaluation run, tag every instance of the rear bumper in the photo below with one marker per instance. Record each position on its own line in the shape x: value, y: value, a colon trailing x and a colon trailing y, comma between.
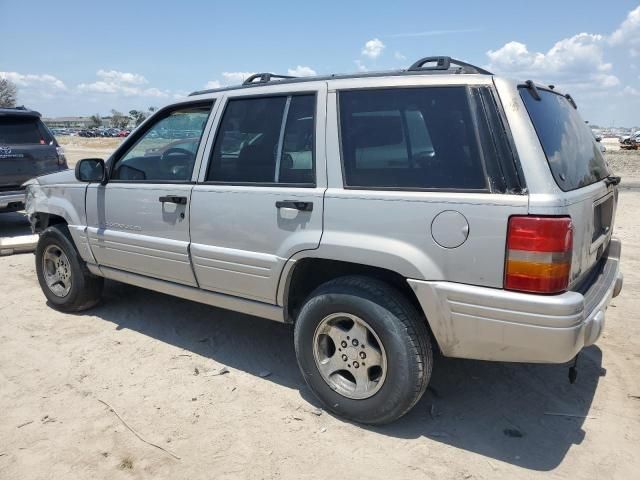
x: 14, y: 199
x: 492, y: 324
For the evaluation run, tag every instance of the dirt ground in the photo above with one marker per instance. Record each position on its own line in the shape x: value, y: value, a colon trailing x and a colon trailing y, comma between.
x: 155, y: 359
x: 77, y: 148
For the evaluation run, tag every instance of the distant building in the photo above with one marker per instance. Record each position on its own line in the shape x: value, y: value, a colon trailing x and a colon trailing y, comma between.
x: 67, y: 122
x: 74, y: 122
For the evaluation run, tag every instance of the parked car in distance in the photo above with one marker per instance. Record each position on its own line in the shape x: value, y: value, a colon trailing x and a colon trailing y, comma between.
x: 384, y: 215
x: 27, y: 149
x: 630, y: 142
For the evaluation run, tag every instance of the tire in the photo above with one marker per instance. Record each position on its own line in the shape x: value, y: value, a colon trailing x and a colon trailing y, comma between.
x: 404, y: 349
x: 78, y: 289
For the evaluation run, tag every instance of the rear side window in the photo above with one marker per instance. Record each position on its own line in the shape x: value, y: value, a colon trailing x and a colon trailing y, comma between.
x: 265, y: 140
x: 23, y: 131
x: 568, y: 143
x: 413, y: 138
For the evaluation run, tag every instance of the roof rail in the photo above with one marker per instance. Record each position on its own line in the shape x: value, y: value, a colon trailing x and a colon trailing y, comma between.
x: 444, y: 63
x: 264, y: 78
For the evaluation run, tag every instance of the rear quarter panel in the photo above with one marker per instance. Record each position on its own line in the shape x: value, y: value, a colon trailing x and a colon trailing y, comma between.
x: 393, y: 229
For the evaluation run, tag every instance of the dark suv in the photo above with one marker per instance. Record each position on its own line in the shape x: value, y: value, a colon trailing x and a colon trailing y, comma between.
x: 27, y: 149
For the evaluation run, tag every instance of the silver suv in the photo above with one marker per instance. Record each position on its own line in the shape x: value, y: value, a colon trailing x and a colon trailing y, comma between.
x: 383, y: 215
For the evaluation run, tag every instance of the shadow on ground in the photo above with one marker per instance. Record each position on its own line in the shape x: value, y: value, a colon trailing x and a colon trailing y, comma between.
x: 494, y: 409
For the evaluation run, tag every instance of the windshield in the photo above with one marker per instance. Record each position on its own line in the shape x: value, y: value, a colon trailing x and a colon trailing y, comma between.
x: 568, y: 143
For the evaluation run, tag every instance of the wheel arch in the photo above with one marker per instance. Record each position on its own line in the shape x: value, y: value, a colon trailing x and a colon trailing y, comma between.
x: 304, y: 275
x: 40, y: 221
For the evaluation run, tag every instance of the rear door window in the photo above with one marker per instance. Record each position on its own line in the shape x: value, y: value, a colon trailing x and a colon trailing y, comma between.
x: 410, y: 138
x: 23, y: 131
x: 567, y: 141
x: 265, y: 140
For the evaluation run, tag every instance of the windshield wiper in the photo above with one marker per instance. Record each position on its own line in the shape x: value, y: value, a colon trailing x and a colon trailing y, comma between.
x: 612, y: 180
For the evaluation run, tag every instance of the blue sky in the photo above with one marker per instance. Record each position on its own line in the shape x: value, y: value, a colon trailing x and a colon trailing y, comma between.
x: 79, y: 57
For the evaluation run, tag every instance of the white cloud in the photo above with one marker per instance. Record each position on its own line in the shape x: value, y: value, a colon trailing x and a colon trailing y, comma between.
x: 577, y: 61
x: 631, y: 91
x: 373, y: 48
x: 213, y: 84
x: 301, y: 71
x: 399, y: 56
x: 114, y: 82
x: 44, y: 82
x: 235, y: 77
x: 361, y: 66
x: 628, y: 33
x: 155, y: 92
x: 115, y: 76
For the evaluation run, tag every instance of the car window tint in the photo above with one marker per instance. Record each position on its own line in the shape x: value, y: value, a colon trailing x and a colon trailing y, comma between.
x: 410, y: 138
x: 23, y: 131
x: 572, y: 152
x: 167, y: 150
x: 252, y: 147
x: 297, y: 158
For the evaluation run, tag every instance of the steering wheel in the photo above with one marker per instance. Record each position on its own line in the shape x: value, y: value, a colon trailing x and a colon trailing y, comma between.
x: 175, y: 151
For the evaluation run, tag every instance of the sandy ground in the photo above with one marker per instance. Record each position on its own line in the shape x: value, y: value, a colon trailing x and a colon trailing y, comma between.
x: 77, y: 148
x: 153, y: 358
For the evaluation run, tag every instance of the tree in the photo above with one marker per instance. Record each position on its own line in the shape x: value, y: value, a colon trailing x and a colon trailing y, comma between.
x: 96, y: 120
x: 138, y: 116
x: 118, y: 119
x: 152, y: 109
x: 8, y: 93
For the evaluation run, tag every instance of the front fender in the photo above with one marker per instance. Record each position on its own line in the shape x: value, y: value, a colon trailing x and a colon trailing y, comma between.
x: 63, y: 201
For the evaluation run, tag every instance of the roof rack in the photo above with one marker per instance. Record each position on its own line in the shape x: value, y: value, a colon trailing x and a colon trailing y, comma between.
x: 444, y: 63
x: 264, y: 78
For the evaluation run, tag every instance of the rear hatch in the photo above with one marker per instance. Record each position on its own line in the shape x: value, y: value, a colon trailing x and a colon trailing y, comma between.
x: 27, y: 149
x: 589, y: 193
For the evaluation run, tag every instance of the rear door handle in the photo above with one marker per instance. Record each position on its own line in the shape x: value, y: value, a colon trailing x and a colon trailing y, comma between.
x: 173, y: 199
x: 302, y: 206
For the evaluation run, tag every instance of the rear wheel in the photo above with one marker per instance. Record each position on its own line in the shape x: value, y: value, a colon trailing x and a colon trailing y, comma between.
x: 62, y: 274
x: 363, y: 349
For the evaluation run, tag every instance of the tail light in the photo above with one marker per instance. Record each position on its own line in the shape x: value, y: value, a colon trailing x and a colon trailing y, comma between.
x: 62, y: 159
x: 538, y: 256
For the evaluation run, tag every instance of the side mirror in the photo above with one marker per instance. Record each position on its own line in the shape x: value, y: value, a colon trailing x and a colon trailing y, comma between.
x: 91, y: 170
x: 598, y: 139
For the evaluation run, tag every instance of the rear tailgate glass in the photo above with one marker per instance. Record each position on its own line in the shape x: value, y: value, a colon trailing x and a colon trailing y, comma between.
x: 23, y: 131
x: 569, y: 145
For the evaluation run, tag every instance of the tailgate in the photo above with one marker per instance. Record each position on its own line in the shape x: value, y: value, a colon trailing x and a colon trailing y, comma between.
x: 19, y: 163
x: 584, y: 191
x: 592, y: 212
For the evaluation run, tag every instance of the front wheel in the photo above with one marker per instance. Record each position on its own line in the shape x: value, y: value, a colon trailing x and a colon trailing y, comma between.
x: 63, y: 275
x: 363, y: 349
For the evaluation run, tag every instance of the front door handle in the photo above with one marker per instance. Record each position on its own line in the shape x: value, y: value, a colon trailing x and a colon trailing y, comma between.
x: 173, y: 199
x: 302, y: 206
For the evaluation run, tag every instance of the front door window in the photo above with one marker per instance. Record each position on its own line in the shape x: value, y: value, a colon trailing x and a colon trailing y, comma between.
x: 166, y: 152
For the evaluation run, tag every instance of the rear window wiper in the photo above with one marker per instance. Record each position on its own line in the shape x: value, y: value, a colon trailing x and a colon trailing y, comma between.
x: 612, y: 180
